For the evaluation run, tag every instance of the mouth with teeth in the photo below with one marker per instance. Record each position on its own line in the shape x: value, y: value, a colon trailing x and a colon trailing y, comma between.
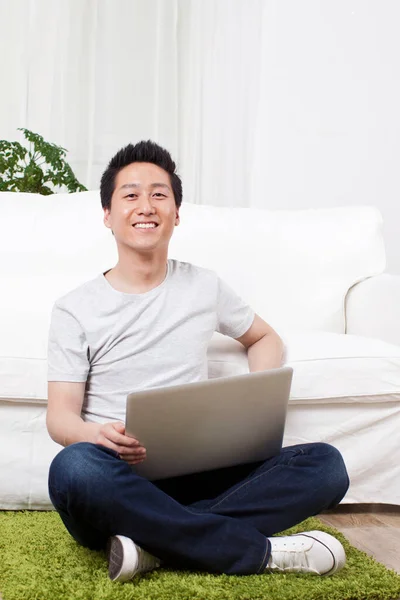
x: 145, y: 226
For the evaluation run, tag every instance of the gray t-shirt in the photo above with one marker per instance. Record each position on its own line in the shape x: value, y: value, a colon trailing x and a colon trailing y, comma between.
x: 120, y: 343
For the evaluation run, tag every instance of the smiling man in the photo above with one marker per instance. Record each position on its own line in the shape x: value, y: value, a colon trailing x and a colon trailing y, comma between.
x: 147, y: 323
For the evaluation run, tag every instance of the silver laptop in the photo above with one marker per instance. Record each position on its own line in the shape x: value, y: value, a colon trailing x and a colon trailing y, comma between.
x: 209, y: 424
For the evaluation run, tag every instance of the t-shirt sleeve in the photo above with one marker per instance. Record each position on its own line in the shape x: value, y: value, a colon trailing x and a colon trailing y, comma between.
x: 67, y: 354
x: 234, y: 315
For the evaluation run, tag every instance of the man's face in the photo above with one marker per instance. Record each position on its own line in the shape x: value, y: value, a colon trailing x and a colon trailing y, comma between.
x: 142, y: 193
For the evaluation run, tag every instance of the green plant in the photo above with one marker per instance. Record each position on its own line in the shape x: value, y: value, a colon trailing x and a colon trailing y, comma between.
x: 30, y: 169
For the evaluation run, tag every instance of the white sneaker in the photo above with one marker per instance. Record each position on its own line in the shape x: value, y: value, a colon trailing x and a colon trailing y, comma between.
x: 126, y: 559
x: 309, y: 552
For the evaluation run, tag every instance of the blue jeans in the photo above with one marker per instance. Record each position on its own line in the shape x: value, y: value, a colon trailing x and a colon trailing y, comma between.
x: 217, y: 521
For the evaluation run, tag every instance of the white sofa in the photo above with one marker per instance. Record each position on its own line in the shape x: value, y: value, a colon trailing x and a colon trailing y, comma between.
x: 317, y: 276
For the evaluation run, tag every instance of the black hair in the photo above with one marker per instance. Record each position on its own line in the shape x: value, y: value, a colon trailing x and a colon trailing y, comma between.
x: 144, y: 151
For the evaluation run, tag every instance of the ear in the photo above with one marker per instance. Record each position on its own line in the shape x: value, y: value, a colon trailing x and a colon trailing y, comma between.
x: 106, y: 218
x: 177, y: 218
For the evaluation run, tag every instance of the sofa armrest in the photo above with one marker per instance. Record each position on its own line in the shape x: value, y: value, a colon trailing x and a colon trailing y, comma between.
x: 373, y: 308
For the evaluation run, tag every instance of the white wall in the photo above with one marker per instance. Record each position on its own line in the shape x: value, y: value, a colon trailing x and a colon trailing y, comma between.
x: 331, y: 103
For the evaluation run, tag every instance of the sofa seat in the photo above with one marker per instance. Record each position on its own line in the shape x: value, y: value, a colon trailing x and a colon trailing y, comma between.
x: 345, y: 391
x: 329, y: 368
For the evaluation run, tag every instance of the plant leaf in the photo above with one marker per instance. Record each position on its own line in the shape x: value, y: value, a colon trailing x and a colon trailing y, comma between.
x: 16, y: 160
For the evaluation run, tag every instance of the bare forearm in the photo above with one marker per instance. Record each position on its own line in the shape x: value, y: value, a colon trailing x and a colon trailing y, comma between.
x: 67, y: 428
x: 265, y: 354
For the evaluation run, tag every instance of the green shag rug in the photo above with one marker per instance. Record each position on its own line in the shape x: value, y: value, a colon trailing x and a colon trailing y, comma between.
x: 40, y: 561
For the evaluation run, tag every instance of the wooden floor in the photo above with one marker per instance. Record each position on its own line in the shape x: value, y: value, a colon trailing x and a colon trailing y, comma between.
x: 373, y: 528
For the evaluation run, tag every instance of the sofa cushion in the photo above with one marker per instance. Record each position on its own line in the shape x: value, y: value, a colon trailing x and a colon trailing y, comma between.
x: 60, y: 234
x: 294, y: 267
x: 327, y: 367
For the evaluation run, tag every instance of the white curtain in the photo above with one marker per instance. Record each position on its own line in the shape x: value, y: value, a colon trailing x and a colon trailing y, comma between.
x: 90, y: 75
x: 219, y: 80
x: 94, y: 75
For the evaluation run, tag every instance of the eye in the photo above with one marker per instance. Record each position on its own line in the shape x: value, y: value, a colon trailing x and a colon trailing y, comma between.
x: 160, y: 194
x: 131, y: 195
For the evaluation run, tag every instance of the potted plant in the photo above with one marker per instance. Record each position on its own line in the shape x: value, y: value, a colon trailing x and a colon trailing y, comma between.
x: 31, y: 169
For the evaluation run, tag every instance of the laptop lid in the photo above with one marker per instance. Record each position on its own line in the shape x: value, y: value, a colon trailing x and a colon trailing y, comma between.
x: 209, y: 424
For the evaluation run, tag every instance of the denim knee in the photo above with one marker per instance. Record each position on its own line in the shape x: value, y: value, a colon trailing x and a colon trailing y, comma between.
x: 70, y: 466
x: 333, y: 469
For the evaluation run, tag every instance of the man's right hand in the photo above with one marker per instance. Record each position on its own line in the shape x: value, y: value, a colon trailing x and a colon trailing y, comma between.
x: 112, y: 435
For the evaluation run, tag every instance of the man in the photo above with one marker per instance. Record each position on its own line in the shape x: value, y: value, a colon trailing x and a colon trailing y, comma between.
x: 147, y: 323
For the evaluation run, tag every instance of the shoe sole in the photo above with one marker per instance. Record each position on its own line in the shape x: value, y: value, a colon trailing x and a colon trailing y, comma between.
x: 120, y: 554
x: 333, y: 545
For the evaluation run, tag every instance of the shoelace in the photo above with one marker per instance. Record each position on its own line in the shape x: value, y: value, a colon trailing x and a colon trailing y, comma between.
x: 290, y: 557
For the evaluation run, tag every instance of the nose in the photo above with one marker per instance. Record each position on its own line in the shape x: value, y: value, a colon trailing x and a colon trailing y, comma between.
x: 144, y: 205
